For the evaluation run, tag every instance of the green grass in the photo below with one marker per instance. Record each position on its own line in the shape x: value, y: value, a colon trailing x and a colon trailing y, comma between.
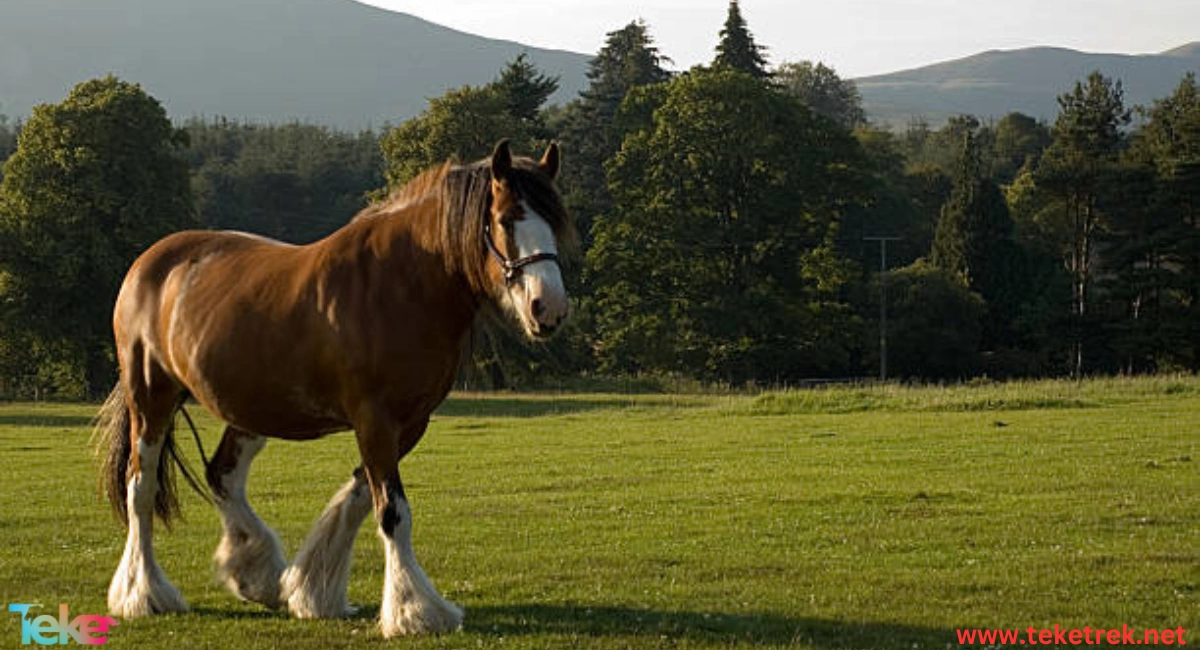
x: 880, y: 517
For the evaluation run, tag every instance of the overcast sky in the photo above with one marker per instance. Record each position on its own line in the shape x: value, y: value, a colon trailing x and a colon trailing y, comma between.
x: 855, y: 37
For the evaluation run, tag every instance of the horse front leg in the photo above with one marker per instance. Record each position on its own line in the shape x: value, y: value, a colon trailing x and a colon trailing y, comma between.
x: 249, y: 558
x: 411, y: 604
x: 314, y: 586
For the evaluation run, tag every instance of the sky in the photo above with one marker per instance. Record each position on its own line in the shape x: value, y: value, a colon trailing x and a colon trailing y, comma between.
x: 855, y: 37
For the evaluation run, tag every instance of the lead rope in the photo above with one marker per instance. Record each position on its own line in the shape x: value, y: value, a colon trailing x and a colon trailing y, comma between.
x: 196, y: 436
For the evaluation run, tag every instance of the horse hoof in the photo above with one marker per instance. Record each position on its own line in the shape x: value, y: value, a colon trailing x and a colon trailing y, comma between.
x: 139, y: 602
x: 251, y: 570
x: 309, y: 598
x: 421, y: 618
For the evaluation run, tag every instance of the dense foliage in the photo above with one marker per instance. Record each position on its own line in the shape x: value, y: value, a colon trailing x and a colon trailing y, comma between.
x: 825, y: 93
x: 717, y: 259
x: 8, y: 141
x: 292, y: 182
x: 730, y: 218
x: 94, y: 181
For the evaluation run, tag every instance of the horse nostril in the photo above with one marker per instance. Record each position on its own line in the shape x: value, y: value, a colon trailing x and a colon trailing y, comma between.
x: 538, y: 308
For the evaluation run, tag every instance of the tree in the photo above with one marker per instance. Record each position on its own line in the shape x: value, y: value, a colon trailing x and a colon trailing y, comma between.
x: 525, y: 90
x: 900, y: 204
x: 1043, y: 327
x: 629, y: 59
x: 974, y: 232
x: 94, y: 181
x: 1136, y: 271
x: 935, y: 324
x: 737, y: 49
x: 294, y: 182
x: 1152, y: 256
x: 718, y: 258
x: 1075, y: 169
x: 823, y: 91
x: 974, y: 239
x: 941, y: 150
x: 587, y: 128
x: 461, y: 125
x: 464, y: 124
x: 8, y: 141
x: 1018, y: 140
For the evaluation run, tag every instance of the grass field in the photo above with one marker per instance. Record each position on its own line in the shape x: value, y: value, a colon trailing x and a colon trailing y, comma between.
x: 843, y: 518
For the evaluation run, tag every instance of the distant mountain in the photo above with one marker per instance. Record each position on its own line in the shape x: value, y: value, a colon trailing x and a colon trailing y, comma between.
x: 334, y: 62
x: 350, y: 65
x: 995, y: 83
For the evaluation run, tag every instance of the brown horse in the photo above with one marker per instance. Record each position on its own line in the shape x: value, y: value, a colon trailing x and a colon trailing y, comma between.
x: 362, y: 330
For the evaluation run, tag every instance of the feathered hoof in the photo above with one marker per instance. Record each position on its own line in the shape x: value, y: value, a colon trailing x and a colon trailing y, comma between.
x: 251, y: 569
x: 144, y: 597
x: 420, y: 617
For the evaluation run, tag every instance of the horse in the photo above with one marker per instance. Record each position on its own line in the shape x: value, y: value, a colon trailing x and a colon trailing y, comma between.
x: 362, y: 330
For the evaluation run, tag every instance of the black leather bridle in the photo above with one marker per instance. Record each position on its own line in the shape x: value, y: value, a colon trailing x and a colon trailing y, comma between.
x: 512, y: 268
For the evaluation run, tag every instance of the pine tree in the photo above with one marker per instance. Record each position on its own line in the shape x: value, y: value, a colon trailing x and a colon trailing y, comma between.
x: 737, y: 49
x: 972, y: 221
x: 588, y: 128
x: 1152, y: 250
x: 1076, y: 169
x: 974, y: 238
x: 525, y: 89
x: 628, y: 59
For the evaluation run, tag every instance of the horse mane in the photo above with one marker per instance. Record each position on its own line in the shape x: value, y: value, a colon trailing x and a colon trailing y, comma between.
x: 462, y: 195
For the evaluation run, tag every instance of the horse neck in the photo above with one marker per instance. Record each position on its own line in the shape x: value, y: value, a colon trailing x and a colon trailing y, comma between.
x: 407, y: 246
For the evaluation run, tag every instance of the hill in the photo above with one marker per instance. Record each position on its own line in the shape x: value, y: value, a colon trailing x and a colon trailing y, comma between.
x: 334, y: 62
x: 996, y: 82
x: 350, y: 65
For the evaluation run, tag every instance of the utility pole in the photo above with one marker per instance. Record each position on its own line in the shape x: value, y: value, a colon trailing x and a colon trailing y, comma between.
x: 882, y: 301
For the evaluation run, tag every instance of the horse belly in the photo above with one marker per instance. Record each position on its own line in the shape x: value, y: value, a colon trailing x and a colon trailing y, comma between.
x: 270, y: 397
x: 247, y: 348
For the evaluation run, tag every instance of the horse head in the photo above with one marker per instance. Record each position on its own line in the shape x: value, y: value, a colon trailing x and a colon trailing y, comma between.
x: 526, y: 227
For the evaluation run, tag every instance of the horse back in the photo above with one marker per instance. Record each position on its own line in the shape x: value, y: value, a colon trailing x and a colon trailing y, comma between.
x: 294, y: 341
x: 224, y: 315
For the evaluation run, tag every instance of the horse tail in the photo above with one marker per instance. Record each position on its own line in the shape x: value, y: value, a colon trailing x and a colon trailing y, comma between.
x: 112, y: 440
x: 110, y: 435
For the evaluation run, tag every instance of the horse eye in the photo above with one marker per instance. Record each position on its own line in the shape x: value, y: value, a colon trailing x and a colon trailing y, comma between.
x: 506, y: 222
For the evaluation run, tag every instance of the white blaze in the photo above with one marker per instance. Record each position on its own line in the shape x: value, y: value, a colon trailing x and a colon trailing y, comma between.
x: 541, y: 281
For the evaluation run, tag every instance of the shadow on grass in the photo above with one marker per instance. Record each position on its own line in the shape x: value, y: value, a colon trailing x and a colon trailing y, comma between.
x: 751, y: 629
x: 630, y: 623
x: 239, y: 614
x: 40, y: 420
x: 501, y: 407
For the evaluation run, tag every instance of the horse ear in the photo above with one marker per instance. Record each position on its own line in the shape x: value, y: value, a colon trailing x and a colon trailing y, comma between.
x: 550, y: 160
x: 501, y: 161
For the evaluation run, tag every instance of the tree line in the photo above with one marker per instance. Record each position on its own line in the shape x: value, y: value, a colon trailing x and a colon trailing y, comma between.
x: 730, y: 219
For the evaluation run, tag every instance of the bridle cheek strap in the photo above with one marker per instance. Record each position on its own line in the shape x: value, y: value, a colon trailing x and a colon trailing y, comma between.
x: 512, y: 268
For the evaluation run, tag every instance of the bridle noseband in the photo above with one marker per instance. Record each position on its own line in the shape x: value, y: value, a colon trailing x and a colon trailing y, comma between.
x: 512, y: 268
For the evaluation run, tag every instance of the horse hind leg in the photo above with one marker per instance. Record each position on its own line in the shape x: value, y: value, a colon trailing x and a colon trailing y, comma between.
x: 140, y: 587
x: 249, y: 558
x: 314, y: 586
